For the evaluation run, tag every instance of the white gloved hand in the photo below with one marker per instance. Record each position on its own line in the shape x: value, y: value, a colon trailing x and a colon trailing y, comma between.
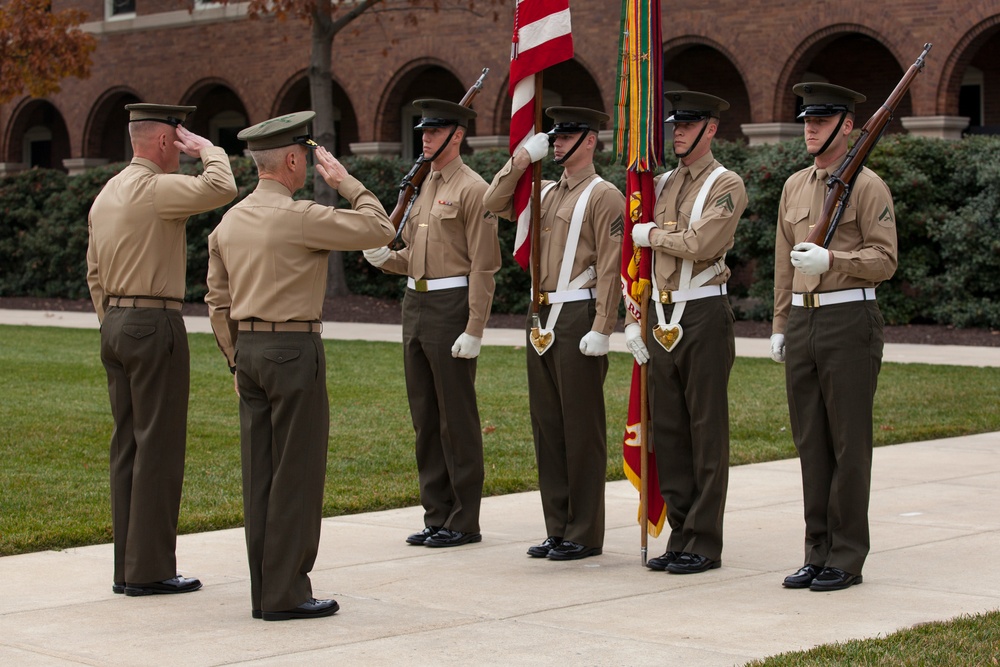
x: 633, y: 341
x: 466, y: 347
x: 640, y: 233
x: 537, y: 146
x: 377, y: 256
x: 810, y: 259
x: 778, y: 347
x: 595, y: 344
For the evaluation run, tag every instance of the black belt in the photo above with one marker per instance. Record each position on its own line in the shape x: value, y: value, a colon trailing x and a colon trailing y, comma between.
x: 144, y: 302
x: 284, y: 327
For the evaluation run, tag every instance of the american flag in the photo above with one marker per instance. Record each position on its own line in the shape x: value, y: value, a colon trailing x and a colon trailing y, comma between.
x: 542, y: 38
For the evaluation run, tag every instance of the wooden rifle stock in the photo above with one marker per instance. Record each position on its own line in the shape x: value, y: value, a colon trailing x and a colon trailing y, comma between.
x: 841, y: 182
x: 409, y: 187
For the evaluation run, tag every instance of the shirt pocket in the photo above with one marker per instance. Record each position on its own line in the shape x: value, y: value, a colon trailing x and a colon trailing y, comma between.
x: 448, y: 227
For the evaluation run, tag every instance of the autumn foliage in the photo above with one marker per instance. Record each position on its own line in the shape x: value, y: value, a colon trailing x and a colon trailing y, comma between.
x: 39, y: 48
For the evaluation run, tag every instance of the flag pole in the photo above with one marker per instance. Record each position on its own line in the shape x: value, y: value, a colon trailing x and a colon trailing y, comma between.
x: 535, y: 225
x: 644, y: 432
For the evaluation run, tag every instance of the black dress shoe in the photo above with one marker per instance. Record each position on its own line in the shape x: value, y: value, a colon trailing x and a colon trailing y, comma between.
x: 542, y: 550
x: 256, y: 613
x: 660, y: 564
x: 834, y: 579
x: 312, y: 609
x: 174, y: 585
x: 451, y: 538
x: 803, y: 577
x: 419, y: 538
x: 117, y: 588
x: 692, y: 564
x: 572, y: 551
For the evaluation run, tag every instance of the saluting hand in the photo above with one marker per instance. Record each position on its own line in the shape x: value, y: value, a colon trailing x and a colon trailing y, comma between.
x: 190, y: 143
x: 330, y: 168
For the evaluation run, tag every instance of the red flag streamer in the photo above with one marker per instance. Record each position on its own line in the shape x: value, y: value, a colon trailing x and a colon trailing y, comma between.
x: 542, y: 38
x: 639, y: 146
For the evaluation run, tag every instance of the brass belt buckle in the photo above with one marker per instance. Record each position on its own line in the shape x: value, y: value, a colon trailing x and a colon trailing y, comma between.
x: 810, y: 300
x: 666, y: 296
x: 543, y: 298
x: 420, y: 285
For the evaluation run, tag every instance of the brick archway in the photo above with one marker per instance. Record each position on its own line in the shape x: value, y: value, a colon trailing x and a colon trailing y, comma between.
x: 569, y: 83
x: 849, y: 55
x: 105, y: 134
x: 295, y: 96
x: 701, y: 64
x: 46, y: 152
x: 979, y: 47
x: 422, y: 78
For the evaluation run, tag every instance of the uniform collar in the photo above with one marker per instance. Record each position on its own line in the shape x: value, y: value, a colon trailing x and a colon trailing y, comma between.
x: 698, y: 166
x: 451, y: 168
x: 148, y: 164
x: 580, y: 176
x: 270, y: 185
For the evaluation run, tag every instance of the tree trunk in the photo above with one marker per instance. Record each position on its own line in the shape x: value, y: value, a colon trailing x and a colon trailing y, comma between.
x: 321, y: 97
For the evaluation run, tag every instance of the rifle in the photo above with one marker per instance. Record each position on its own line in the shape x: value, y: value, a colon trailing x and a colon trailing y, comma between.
x: 409, y: 187
x: 841, y: 182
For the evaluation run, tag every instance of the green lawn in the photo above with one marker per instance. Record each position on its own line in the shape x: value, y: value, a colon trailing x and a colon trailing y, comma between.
x: 55, y: 423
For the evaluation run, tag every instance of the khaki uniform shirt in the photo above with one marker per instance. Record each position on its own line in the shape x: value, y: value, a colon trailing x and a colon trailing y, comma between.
x: 864, y: 244
x: 268, y: 257
x: 600, y: 235
x: 138, y: 242
x: 708, y: 240
x: 449, y: 234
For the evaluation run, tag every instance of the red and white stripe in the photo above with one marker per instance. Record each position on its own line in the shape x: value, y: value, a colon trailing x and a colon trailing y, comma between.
x: 542, y: 38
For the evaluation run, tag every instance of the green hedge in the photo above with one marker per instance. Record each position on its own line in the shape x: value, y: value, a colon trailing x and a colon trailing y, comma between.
x: 947, y: 197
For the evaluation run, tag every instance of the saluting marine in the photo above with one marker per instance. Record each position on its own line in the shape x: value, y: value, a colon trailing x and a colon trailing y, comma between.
x: 266, y: 283
x: 136, y: 266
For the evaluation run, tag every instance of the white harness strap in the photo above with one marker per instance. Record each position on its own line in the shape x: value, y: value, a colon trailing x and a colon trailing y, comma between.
x: 687, y: 265
x: 569, y: 254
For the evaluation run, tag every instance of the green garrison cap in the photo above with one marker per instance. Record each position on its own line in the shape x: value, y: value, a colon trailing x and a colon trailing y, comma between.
x: 442, y: 113
x: 689, y: 106
x: 292, y: 128
x: 825, y: 99
x: 570, y: 120
x: 170, y: 114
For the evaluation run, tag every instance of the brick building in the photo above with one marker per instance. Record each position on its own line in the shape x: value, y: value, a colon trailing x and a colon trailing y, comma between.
x: 240, y: 71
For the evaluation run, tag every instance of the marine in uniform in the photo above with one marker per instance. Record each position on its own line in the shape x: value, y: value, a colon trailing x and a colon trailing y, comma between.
x: 827, y: 328
x: 266, y: 282
x: 581, y: 233
x: 136, y: 266
x: 690, y: 333
x: 451, y: 253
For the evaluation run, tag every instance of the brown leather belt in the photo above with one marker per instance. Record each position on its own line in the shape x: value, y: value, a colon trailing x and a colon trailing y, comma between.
x: 284, y: 327
x: 144, y: 302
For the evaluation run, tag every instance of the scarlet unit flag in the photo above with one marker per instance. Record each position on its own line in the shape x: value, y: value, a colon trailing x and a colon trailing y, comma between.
x: 639, y: 146
x: 542, y: 38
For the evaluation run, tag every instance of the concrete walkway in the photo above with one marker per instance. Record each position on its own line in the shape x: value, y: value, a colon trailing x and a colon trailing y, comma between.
x: 935, y: 529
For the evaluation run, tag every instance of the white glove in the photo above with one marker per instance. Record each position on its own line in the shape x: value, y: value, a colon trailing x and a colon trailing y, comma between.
x: 466, y: 347
x: 633, y: 341
x: 778, y: 347
x: 377, y: 256
x: 595, y: 344
x: 640, y: 233
x: 810, y: 259
x: 537, y: 146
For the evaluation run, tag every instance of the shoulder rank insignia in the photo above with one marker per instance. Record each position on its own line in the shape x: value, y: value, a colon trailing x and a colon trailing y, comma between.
x: 885, y: 215
x: 618, y: 227
x: 726, y: 202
